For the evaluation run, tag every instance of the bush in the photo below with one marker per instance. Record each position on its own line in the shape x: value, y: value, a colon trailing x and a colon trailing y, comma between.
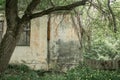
x: 86, y: 73
x: 102, y: 50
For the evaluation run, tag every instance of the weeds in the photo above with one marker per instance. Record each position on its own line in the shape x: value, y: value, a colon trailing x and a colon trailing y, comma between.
x: 81, y: 72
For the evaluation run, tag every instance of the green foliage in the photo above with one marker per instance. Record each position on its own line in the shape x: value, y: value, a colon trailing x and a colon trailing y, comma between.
x: 79, y: 73
x: 44, y: 4
x: 85, y: 73
x: 53, y: 77
x: 22, y: 72
x: 103, y: 50
x: 2, y: 3
x: 20, y: 67
x: 104, y: 43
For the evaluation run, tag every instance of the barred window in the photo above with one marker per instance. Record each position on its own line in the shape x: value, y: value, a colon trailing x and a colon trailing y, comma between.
x: 1, y: 29
x: 25, y: 37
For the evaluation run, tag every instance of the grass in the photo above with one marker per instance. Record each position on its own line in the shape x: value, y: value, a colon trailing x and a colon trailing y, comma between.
x: 22, y: 72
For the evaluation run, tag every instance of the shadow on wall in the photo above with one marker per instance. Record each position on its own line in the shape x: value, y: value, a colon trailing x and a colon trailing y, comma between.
x: 65, y: 55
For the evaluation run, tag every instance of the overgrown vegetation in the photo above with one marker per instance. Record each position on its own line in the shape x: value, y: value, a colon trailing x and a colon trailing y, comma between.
x: 101, y: 41
x: 81, y: 72
x: 22, y: 72
x: 86, y: 73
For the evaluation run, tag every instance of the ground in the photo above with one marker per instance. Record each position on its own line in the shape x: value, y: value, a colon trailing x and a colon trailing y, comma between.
x: 22, y: 72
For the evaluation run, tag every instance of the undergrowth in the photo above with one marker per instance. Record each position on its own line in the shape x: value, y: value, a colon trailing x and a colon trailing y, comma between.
x: 81, y: 72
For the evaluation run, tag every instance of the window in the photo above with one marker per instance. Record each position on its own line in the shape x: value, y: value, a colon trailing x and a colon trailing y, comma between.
x: 25, y: 37
x: 1, y: 29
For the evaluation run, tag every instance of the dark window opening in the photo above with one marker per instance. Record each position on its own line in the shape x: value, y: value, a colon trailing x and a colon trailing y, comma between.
x: 25, y: 37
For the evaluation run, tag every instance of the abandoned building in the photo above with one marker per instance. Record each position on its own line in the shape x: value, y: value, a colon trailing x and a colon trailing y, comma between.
x: 47, y: 42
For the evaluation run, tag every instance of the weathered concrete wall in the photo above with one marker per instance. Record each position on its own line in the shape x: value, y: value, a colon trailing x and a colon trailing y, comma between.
x: 64, y: 46
x: 64, y: 43
x: 103, y: 64
x: 34, y: 55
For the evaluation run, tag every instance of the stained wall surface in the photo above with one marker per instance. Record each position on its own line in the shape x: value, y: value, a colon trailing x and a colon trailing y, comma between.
x: 64, y: 44
x: 34, y: 55
x: 61, y: 52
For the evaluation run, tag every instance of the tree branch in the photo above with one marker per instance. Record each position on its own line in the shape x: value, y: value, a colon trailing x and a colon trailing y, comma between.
x: 52, y: 3
x: 113, y: 16
x: 97, y: 6
x: 31, y: 7
x: 58, y: 8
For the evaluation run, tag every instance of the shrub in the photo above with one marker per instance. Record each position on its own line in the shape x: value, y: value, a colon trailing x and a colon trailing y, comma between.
x: 86, y: 73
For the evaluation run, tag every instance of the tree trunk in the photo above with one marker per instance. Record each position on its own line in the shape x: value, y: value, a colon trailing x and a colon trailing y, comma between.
x: 15, y: 27
x: 6, y: 49
x: 8, y: 43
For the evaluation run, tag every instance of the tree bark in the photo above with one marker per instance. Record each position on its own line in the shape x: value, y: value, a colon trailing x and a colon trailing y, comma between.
x: 9, y: 40
x: 15, y: 27
x: 6, y: 49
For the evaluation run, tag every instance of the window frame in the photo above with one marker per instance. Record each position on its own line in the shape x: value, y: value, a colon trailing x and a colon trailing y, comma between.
x: 27, y: 32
